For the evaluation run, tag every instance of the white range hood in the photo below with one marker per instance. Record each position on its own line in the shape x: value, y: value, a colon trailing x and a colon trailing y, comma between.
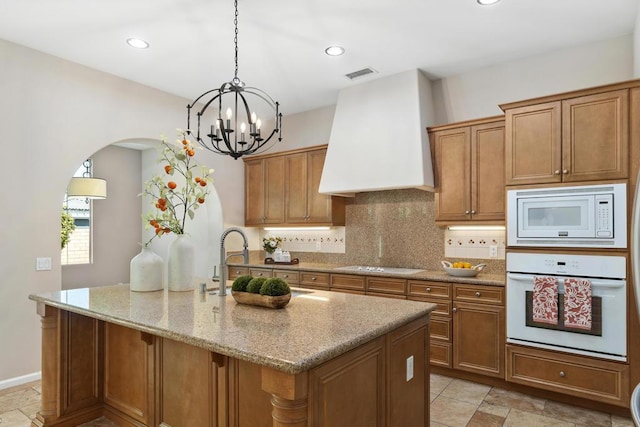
x: 378, y: 139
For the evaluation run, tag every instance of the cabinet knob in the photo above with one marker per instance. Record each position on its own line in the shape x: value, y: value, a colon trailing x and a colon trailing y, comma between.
x: 313, y: 279
x: 237, y: 271
x: 454, y: 309
x: 473, y: 212
x: 562, y: 374
x: 565, y: 171
x: 466, y: 212
x: 285, y: 276
x: 427, y: 290
x: 259, y: 274
x: 477, y: 294
x: 556, y: 172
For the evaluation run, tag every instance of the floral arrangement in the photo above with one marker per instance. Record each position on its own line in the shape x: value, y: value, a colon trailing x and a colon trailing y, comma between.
x: 271, y: 243
x: 175, y: 202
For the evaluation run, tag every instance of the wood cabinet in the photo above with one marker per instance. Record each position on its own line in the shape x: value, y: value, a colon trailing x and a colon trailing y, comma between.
x: 314, y: 280
x: 386, y: 285
x: 580, y: 138
x: 291, y: 277
x: 469, y: 170
x: 264, y: 191
x: 479, y: 329
x: 282, y: 189
x: 594, y: 379
x: 348, y: 282
x: 234, y: 272
x: 439, y: 293
x: 303, y: 203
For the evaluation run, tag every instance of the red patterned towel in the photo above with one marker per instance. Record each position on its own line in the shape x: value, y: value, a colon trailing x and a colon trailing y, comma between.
x: 577, y: 303
x: 545, y: 300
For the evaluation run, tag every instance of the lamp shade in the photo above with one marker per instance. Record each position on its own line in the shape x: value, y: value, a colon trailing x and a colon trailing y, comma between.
x: 91, y: 188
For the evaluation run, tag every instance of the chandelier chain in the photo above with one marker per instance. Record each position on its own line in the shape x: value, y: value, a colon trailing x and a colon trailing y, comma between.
x: 235, y: 37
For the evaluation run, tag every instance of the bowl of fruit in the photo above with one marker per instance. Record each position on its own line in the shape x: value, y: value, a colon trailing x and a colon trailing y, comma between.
x: 462, y: 268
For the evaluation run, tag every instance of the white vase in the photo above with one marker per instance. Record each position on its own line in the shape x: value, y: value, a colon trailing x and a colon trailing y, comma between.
x: 181, y: 263
x: 146, y: 271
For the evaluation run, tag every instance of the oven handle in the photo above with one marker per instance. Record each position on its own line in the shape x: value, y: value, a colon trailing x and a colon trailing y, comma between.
x: 594, y: 282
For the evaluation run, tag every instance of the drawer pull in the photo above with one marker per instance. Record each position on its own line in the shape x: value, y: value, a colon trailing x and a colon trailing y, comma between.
x: 454, y: 309
x: 428, y: 290
x: 237, y: 271
x: 562, y: 374
x: 313, y: 279
x: 285, y: 276
x: 477, y: 294
x: 259, y: 274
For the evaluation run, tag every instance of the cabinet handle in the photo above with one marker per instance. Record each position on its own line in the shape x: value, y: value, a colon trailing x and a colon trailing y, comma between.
x: 428, y: 290
x: 313, y: 279
x: 473, y: 212
x: 259, y: 274
x: 556, y: 172
x: 565, y: 171
x: 285, y: 276
x: 466, y: 212
x: 562, y: 374
x: 454, y: 309
x: 477, y: 294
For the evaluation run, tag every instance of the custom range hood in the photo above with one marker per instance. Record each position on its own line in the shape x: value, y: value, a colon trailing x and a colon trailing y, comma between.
x: 378, y: 139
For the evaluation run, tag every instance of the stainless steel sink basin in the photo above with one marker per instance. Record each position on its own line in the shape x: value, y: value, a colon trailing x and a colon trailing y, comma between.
x: 386, y: 270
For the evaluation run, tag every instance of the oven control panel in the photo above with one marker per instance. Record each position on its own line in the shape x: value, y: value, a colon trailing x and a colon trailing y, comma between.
x: 568, y: 265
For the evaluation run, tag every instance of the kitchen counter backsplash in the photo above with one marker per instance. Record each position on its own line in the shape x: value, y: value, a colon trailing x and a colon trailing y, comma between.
x: 394, y: 228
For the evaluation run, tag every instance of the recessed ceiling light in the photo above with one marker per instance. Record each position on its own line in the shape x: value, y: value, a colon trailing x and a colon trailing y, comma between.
x: 334, y: 50
x: 137, y: 43
x: 487, y: 2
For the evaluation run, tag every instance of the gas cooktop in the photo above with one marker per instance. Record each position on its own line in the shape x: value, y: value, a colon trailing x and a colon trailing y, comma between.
x: 387, y: 270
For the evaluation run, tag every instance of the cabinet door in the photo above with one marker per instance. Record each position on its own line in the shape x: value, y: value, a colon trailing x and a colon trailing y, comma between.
x: 319, y: 206
x: 595, y: 132
x: 533, y: 144
x: 487, y: 171
x: 478, y: 338
x: 453, y: 164
x: 253, y: 192
x: 296, y: 188
x: 274, y: 190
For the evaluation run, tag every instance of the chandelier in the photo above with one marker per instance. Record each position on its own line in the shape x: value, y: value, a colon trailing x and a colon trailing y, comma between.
x: 87, y: 186
x: 231, y: 136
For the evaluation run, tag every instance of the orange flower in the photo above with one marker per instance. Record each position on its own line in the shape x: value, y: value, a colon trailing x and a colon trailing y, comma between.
x: 168, y: 168
x: 172, y: 185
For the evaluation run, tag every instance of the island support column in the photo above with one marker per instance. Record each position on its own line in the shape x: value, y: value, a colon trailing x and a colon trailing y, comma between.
x: 289, y: 397
x: 50, y: 362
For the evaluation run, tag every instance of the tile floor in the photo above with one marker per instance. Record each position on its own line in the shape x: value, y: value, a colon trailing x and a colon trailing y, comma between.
x: 453, y: 403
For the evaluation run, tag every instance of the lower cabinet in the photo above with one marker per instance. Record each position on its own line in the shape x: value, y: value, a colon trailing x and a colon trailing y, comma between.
x: 479, y: 329
x: 594, y: 379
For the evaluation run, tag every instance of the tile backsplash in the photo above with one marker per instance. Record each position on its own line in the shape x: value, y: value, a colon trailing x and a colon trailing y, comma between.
x: 477, y: 244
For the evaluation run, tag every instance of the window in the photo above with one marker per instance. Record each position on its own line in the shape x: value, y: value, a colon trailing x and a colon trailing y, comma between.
x: 78, y: 249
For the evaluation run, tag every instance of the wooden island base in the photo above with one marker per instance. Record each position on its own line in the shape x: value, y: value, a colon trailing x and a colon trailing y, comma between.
x: 92, y: 368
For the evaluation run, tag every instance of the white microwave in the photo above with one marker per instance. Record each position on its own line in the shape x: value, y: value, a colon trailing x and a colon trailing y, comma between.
x: 590, y: 216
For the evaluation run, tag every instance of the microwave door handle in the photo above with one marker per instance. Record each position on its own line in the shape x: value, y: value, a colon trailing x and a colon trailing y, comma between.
x: 594, y: 282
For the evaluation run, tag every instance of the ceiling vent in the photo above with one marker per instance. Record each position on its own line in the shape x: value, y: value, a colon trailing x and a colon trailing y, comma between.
x: 360, y: 73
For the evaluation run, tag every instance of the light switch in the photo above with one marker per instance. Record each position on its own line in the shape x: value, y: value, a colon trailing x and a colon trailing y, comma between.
x: 409, y: 368
x: 43, y: 263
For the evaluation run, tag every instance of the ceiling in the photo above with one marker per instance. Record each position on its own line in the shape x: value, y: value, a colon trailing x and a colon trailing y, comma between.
x: 282, y: 42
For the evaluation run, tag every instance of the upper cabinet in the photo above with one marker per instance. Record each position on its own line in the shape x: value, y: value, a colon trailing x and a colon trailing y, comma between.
x: 469, y: 171
x: 579, y: 138
x: 287, y: 192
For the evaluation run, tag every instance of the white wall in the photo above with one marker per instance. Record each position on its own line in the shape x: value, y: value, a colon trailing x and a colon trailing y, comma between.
x: 53, y: 115
x: 477, y: 93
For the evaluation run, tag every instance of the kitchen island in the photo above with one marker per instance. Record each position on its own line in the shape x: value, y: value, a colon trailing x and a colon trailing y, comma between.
x: 190, y: 358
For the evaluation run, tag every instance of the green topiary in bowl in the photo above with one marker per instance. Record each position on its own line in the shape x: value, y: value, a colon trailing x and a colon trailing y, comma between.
x: 241, y: 282
x: 255, y: 285
x: 275, y: 287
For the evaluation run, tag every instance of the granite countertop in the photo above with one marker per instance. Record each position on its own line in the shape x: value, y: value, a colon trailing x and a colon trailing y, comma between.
x: 435, y: 275
x: 315, y: 326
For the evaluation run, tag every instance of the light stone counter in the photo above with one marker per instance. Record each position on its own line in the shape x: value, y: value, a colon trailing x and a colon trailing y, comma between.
x: 435, y: 275
x: 316, y: 326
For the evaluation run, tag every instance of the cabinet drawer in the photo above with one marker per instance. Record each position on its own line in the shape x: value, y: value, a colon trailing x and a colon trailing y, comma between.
x: 347, y: 281
x: 386, y: 285
x: 440, y: 328
x: 291, y: 277
x: 479, y: 294
x: 261, y: 272
x: 443, y: 306
x: 594, y: 379
x: 316, y: 280
x: 429, y: 289
x: 234, y: 272
x: 440, y: 353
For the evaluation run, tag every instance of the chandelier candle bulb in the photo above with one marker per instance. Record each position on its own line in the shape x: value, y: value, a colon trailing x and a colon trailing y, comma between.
x: 243, y: 127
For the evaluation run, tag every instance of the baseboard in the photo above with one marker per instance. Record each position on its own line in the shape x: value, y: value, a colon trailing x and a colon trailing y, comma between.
x: 13, y: 382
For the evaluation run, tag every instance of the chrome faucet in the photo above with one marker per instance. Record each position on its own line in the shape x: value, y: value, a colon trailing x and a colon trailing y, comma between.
x: 224, y: 258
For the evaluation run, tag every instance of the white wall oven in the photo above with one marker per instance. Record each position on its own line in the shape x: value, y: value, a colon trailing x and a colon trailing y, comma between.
x: 568, y: 302
x: 592, y: 216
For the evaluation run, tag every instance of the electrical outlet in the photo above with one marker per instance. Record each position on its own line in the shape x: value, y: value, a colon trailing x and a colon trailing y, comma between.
x: 409, y: 368
x: 43, y: 263
x: 493, y: 251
